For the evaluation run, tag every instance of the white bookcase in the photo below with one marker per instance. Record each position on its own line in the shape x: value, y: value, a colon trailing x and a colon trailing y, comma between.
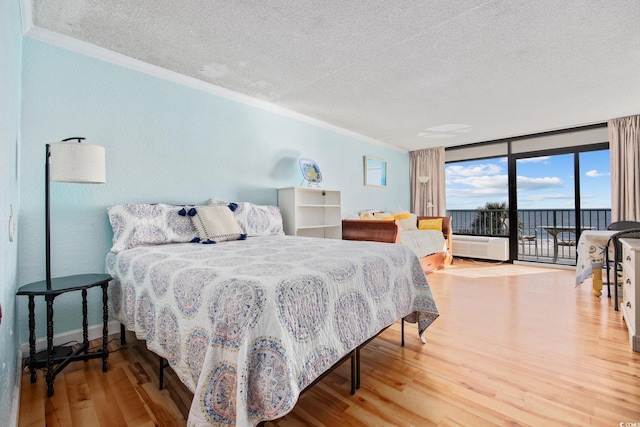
x: 311, y: 212
x: 631, y: 289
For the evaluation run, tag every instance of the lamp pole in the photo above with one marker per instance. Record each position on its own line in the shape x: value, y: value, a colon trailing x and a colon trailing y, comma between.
x: 47, y: 208
x: 423, y: 180
x: 47, y: 224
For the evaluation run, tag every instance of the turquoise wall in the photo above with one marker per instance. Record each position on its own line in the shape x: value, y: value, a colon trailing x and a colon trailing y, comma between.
x: 164, y: 142
x: 10, y: 63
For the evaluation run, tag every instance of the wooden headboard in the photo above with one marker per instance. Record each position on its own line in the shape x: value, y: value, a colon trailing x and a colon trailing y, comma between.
x: 386, y: 231
x: 370, y: 230
x: 446, y: 227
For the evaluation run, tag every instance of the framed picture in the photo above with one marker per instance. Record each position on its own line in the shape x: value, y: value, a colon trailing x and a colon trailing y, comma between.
x: 375, y: 172
x: 310, y: 172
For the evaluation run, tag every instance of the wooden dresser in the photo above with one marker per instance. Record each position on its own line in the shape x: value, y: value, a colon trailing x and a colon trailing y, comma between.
x: 631, y: 289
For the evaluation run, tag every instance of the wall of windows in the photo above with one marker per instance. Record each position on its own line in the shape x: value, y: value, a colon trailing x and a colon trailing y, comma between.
x: 540, y: 191
x: 478, y: 196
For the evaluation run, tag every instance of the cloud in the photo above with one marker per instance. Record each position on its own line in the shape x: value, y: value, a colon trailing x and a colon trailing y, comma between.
x: 527, y: 184
x: 592, y: 201
x: 498, y: 184
x: 594, y: 173
x: 542, y: 197
x: 534, y: 201
x: 483, y: 193
x: 472, y: 204
x: 478, y: 182
x: 534, y: 159
x: 454, y: 171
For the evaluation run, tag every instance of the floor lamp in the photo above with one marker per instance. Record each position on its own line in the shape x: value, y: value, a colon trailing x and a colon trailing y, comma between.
x: 426, y: 202
x: 69, y: 161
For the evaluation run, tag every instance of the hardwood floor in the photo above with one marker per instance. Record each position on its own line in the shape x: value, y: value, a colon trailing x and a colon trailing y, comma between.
x: 514, y: 345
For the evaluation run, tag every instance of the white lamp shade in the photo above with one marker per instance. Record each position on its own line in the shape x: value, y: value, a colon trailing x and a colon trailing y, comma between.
x: 77, y: 162
x: 423, y: 179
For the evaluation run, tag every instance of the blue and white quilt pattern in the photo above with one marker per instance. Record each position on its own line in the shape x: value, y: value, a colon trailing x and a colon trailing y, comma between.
x: 248, y: 324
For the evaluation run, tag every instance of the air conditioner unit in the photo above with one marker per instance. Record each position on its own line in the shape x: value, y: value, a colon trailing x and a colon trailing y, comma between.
x: 494, y: 248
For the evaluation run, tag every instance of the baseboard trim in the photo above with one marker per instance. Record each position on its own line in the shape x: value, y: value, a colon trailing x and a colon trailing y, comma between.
x: 17, y: 390
x: 544, y: 265
x: 71, y: 336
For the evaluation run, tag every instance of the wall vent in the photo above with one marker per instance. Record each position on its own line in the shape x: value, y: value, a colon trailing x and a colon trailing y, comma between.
x: 493, y: 248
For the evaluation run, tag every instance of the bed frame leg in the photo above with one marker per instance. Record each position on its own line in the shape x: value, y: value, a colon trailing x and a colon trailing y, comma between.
x: 358, y: 368
x: 402, y: 333
x: 163, y: 364
x: 123, y: 337
x: 354, y: 369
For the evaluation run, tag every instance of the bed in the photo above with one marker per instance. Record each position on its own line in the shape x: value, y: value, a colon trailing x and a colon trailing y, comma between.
x: 431, y: 246
x: 248, y: 324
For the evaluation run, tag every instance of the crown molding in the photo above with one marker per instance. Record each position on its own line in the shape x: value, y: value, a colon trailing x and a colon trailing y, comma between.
x: 97, y: 52
x: 26, y: 15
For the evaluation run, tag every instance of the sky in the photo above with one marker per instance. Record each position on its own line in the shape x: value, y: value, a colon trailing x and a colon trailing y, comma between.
x: 545, y: 182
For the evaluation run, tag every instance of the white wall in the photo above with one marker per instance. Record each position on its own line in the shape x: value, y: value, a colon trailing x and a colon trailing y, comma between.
x: 164, y: 143
x: 10, y: 64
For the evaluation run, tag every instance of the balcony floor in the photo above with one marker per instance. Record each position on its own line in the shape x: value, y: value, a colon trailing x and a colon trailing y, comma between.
x: 566, y: 254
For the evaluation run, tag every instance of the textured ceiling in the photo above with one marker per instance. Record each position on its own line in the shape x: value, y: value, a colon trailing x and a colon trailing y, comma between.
x: 414, y: 74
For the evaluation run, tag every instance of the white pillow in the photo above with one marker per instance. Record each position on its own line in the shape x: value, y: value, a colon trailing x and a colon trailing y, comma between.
x: 215, y: 223
x: 383, y: 216
x: 255, y: 220
x: 259, y: 220
x: 406, y: 220
x: 141, y: 224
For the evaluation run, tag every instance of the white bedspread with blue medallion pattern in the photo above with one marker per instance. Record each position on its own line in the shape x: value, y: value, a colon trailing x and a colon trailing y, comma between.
x: 248, y: 324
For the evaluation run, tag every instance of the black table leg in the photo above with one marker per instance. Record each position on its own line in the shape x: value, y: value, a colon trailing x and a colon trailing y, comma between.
x: 50, y: 373
x: 105, y: 327
x: 32, y: 339
x: 85, y: 324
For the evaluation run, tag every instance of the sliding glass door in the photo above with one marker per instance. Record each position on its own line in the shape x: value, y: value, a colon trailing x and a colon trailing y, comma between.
x: 595, y: 189
x: 545, y: 207
x: 550, y: 216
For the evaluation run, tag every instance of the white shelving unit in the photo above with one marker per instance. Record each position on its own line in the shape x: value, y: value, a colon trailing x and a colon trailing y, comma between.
x: 631, y: 289
x: 311, y: 212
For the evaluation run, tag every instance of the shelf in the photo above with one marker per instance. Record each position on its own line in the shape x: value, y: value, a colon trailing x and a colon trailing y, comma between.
x: 311, y: 212
x: 305, y: 227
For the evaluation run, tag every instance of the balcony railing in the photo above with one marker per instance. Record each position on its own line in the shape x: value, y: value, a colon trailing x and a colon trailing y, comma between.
x: 535, y: 229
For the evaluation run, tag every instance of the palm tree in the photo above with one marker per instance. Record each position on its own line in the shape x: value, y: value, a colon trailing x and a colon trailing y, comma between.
x: 490, y: 219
